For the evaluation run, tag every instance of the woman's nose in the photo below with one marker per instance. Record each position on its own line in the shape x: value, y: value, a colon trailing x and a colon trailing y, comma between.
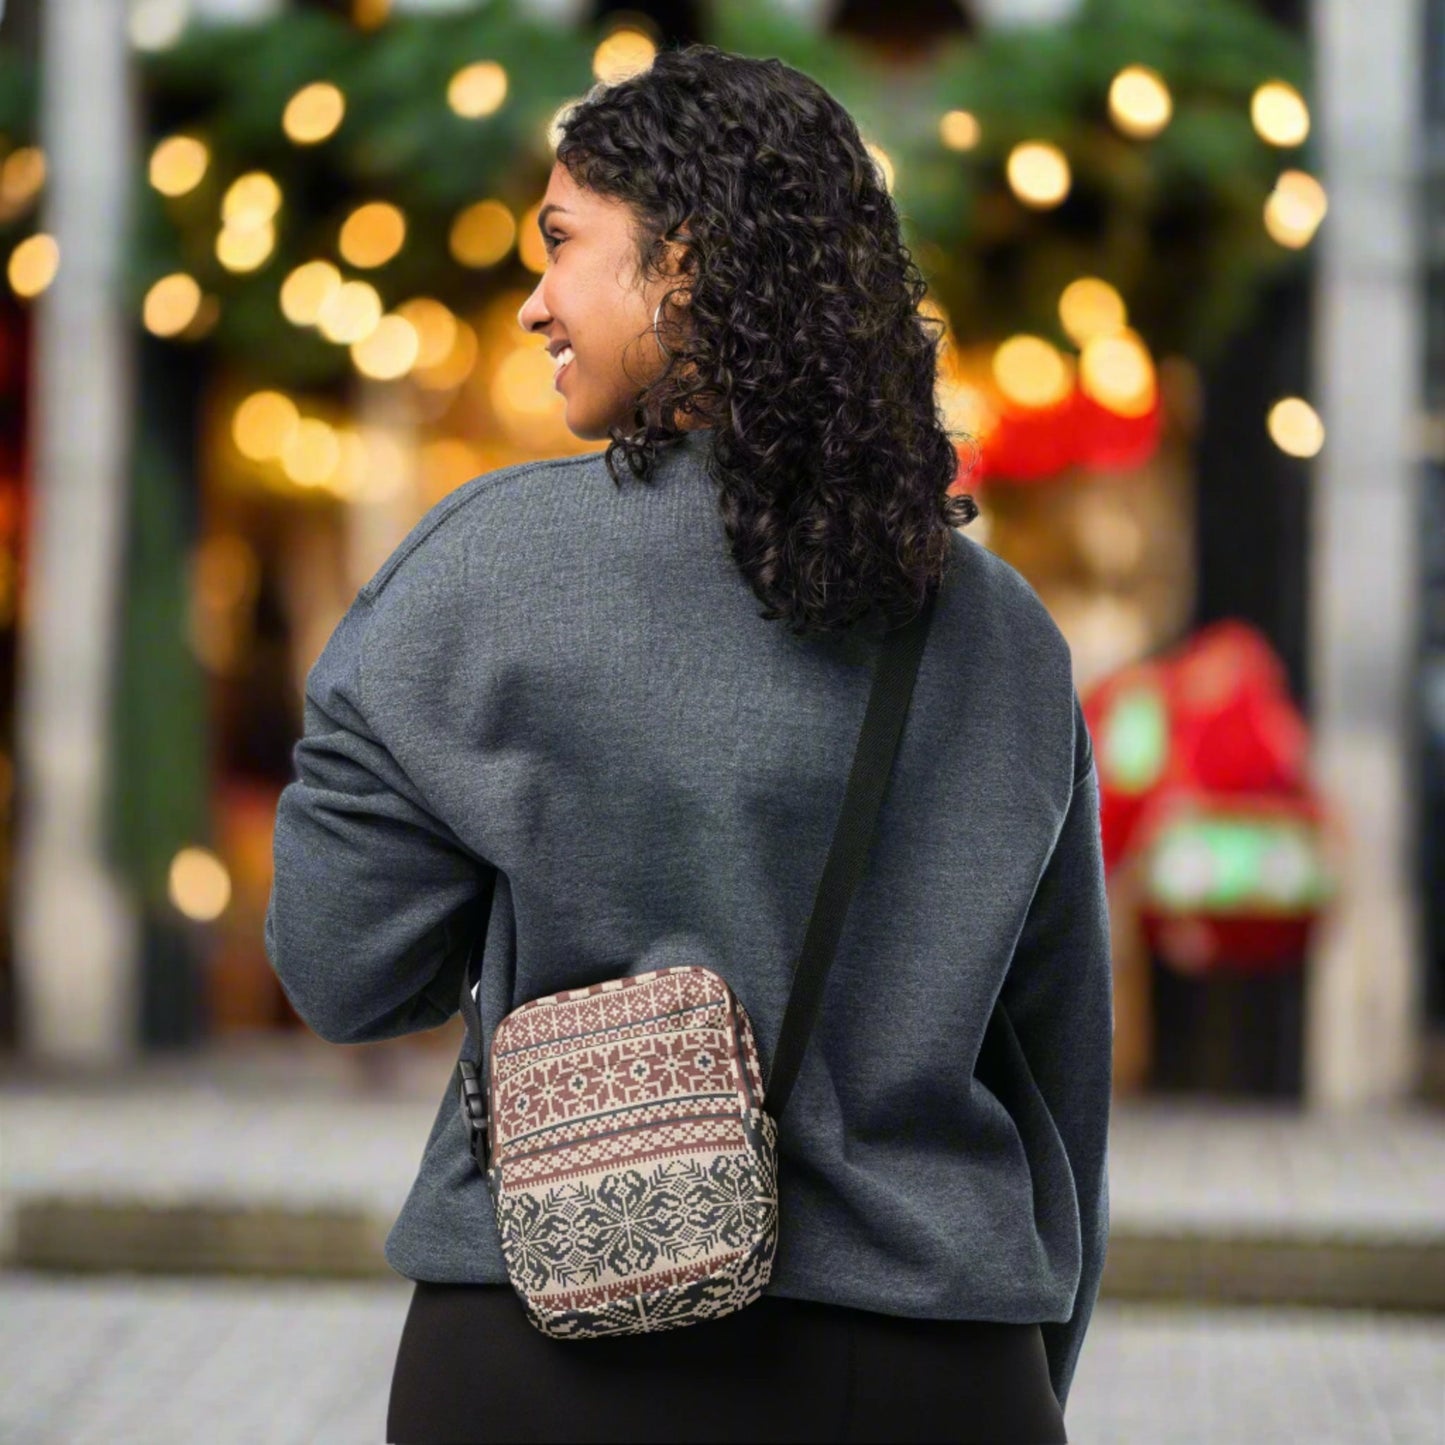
x: 531, y: 313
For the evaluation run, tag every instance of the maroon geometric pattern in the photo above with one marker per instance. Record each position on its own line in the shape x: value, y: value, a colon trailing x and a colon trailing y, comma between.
x: 633, y: 1169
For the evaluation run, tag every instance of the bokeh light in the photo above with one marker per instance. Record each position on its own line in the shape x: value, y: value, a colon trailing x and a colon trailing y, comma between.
x: 1295, y: 427
x: 959, y: 130
x: 171, y: 304
x: 1038, y: 173
x: 178, y: 164
x: 482, y: 234
x: 1139, y: 102
x: 1031, y: 372
x: 372, y: 235
x: 1279, y: 114
x: 313, y: 113
x: 478, y: 90
x: 624, y: 53
x: 33, y: 264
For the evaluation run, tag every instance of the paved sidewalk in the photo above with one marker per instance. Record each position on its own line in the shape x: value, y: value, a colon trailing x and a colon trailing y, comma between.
x: 295, y: 1156
x: 113, y: 1360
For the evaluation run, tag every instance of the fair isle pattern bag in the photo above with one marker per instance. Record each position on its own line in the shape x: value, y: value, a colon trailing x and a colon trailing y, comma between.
x: 622, y: 1132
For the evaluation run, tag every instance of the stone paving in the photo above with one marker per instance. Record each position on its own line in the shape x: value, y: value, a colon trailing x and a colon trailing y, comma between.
x: 143, y: 1361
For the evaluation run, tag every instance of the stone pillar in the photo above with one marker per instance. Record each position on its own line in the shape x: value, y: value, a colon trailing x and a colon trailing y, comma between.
x: 1365, y: 1007
x: 75, y: 935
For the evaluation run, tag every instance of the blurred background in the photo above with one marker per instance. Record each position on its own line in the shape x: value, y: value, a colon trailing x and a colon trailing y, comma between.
x: 262, y: 261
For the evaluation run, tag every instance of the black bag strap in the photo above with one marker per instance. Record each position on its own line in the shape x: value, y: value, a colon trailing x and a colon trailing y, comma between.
x: 894, y: 674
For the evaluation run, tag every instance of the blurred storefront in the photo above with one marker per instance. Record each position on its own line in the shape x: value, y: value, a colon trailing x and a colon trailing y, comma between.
x: 332, y: 223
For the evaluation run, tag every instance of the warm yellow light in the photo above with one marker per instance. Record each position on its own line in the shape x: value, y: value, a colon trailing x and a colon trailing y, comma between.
x: 478, y: 90
x: 1295, y: 208
x: 178, y: 165
x: 1117, y: 372
x: 171, y: 304
x: 1031, y: 372
x: 372, y: 234
x: 1091, y: 307
x: 1038, y: 173
x: 262, y: 423
x: 21, y: 177
x: 435, y: 327
x: 311, y: 453
x: 1295, y: 427
x: 522, y: 384
x: 455, y: 367
x: 1139, y: 102
x: 33, y: 264
x: 245, y: 248
x: 389, y: 351
x: 198, y: 884
x: 306, y: 289
x: 624, y: 53
x: 313, y: 113
x: 884, y: 163
x: 1279, y: 113
x: 250, y: 201
x: 482, y: 234
x: 959, y: 130
x: 350, y: 313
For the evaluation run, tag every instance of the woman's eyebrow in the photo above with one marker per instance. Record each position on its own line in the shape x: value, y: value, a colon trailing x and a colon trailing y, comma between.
x: 547, y: 211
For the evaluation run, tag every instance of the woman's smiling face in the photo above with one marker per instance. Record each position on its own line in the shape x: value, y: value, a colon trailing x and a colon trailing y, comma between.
x: 590, y: 299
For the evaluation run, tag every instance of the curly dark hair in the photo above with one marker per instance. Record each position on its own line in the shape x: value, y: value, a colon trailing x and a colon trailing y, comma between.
x: 804, y: 345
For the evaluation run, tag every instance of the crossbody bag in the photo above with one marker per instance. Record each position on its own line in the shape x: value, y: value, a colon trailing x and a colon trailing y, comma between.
x: 622, y: 1129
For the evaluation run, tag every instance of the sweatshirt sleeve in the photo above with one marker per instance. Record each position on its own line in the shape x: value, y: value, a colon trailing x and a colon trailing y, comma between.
x: 1059, y: 998
x: 374, y: 900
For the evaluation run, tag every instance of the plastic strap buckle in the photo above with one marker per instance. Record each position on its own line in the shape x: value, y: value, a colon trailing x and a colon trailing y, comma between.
x: 474, y: 1111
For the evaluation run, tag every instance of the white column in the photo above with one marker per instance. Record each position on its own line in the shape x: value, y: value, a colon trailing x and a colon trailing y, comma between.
x: 1365, y: 1011
x: 75, y: 935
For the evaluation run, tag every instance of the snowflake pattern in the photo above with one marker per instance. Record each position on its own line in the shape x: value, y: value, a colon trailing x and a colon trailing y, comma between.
x: 641, y: 1217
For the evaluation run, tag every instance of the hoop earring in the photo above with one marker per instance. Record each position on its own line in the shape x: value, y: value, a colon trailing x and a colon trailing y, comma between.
x: 655, y: 319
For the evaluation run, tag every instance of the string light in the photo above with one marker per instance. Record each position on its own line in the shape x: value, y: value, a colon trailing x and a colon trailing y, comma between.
x: 1090, y: 307
x: 262, y: 423
x: 306, y: 290
x: 1038, y: 173
x: 482, y: 234
x: 1030, y: 372
x: 959, y: 130
x: 350, y: 313
x: 313, y: 113
x: 1279, y: 114
x: 1139, y: 102
x: 623, y: 54
x: 178, y: 165
x: 1295, y: 208
x: 198, y: 884
x: 171, y: 304
x: 1117, y: 372
x: 478, y: 90
x: 1295, y: 427
x: 372, y: 234
x: 435, y: 327
x: 21, y: 178
x: 33, y: 264
x: 389, y: 351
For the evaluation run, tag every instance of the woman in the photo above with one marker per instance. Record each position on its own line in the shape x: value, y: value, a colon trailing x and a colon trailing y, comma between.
x: 559, y: 695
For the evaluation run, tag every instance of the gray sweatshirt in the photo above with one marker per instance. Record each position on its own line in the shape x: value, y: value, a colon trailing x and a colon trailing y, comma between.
x: 570, y: 684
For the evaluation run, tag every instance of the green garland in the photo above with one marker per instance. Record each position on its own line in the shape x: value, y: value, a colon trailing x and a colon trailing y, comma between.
x: 1175, y: 223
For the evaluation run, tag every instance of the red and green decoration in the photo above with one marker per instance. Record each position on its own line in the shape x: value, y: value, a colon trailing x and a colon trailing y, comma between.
x: 1203, y: 765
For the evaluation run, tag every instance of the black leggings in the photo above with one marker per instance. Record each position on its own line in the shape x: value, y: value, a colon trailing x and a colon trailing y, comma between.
x: 471, y: 1368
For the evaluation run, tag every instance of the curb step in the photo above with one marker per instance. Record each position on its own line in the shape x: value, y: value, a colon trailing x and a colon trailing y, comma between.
x: 1402, y: 1273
